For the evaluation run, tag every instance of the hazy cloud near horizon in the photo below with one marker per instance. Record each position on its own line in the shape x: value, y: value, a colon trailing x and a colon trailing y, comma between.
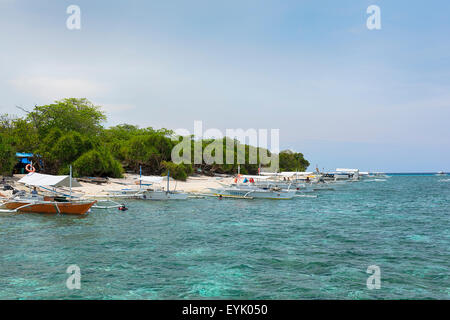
x: 339, y: 93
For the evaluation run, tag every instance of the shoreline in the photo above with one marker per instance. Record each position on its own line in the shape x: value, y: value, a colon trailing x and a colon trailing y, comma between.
x: 193, y: 184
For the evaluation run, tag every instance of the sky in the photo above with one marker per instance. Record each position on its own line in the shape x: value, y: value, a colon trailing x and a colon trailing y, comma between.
x: 343, y: 95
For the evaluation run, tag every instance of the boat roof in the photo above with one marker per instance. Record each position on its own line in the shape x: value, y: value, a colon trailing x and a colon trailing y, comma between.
x: 346, y: 170
x: 37, y: 179
x: 295, y: 173
x: 254, y: 177
x: 154, y: 179
x: 269, y: 173
x: 286, y: 173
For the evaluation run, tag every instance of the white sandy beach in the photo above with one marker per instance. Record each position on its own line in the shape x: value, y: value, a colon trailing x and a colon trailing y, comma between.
x: 194, y: 184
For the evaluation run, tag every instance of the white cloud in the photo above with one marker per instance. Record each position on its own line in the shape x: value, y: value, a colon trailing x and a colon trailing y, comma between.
x: 113, y: 108
x: 57, y: 88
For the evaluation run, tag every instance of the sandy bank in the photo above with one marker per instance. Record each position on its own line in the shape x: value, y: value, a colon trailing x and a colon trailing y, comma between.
x: 195, y: 184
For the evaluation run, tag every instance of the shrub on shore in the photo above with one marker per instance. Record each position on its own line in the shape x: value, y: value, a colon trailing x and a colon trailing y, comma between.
x: 97, y: 163
x: 177, y: 171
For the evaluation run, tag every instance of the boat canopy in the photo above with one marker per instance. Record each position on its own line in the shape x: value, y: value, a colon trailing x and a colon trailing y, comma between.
x: 255, y: 177
x: 347, y: 170
x: 293, y: 173
x: 269, y: 173
x: 286, y: 174
x: 38, y: 179
x: 153, y: 179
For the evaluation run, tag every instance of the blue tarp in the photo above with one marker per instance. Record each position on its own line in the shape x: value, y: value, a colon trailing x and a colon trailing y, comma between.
x: 24, y: 155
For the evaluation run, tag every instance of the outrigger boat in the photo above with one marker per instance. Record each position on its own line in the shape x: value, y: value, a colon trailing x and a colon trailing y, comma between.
x: 253, y: 192
x: 249, y: 189
x: 147, y: 190
x: 48, y: 205
x: 298, y: 181
x: 57, y: 204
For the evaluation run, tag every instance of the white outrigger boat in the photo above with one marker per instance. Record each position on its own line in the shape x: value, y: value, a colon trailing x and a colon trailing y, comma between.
x: 441, y: 173
x: 302, y: 182
x: 251, y: 189
x: 148, y: 191
x: 253, y: 192
x: 346, y: 174
x: 284, y: 180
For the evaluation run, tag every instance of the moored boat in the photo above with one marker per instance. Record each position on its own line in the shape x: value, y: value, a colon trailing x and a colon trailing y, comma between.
x: 148, y: 189
x: 58, y: 204
x: 28, y: 205
x: 254, y: 193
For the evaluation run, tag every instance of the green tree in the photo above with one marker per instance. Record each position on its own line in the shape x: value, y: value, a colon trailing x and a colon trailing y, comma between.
x: 99, y: 163
x: 25, y: 136
x: 67, y: 115
x: 69, y: 148
x: 149, y: 149
x: 292, y: 161
x: 70, y: 131
x: 177, y: 171
x: 7, y: 155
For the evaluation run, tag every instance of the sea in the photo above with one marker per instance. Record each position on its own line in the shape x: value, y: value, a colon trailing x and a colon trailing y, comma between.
x: 386, y: 238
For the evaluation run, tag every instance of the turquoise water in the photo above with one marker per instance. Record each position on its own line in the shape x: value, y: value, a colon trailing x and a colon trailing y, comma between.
x: 305, y: 248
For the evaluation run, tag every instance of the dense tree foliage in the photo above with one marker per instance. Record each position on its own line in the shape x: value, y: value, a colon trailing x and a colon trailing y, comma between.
x: 98, y: 162
x: 71, y: 132
x: 179, y: 171
x: 292, y: 161
x: 7, y: 155
x: 78, y: 115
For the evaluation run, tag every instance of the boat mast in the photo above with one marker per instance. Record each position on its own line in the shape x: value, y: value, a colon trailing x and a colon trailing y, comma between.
x: 168, y: 178
x: 70, y: 182
x: 140, y: 178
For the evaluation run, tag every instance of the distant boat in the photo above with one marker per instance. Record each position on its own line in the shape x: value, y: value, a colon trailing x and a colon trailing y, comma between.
x: 377, y: 175
x: 441, y: 173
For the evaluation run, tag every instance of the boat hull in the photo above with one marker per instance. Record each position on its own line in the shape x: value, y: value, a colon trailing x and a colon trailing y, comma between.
x: 164, y: 196
x: 50, y: 208
x: 255, y: 194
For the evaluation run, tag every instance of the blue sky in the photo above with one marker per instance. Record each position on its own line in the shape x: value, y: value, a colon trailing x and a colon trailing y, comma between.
x: 343, y: 95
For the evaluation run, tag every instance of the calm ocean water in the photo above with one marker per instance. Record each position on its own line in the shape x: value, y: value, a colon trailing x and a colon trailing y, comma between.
x: 307, y: 248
